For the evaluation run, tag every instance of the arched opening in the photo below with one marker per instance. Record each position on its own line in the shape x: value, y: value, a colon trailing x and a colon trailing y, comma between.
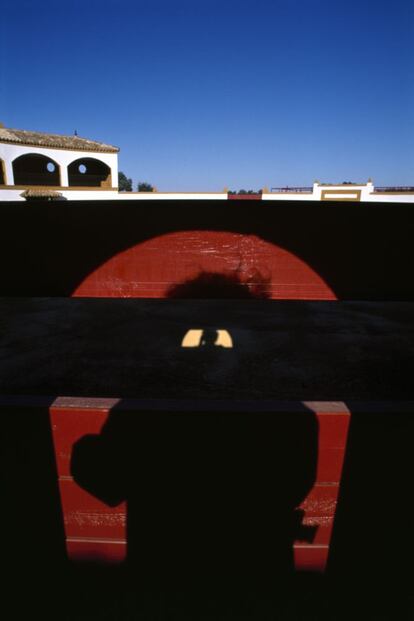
x: 2, y: 173
x: 35, y: 169
x: 89, y: 172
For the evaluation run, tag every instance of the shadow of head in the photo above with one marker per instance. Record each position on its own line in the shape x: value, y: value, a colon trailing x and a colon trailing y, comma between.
x: 215, y: 285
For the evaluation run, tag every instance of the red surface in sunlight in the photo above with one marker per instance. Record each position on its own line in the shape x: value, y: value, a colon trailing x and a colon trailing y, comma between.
x: 150, y: 269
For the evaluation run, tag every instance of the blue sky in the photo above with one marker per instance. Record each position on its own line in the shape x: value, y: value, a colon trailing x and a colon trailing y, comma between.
x: 204, y: 94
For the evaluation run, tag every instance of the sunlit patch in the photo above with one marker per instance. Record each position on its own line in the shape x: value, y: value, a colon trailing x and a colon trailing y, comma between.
x: 207, y: 338
x: 206, y: 264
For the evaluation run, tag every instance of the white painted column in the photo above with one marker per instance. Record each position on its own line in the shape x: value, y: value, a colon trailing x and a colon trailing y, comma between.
x: 8, y: 169
x: 64, y: 178
x: 114, y: 175
x: 316, y: 191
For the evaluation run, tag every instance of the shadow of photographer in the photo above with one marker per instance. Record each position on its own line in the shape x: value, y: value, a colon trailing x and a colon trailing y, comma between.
x: 211, y: 497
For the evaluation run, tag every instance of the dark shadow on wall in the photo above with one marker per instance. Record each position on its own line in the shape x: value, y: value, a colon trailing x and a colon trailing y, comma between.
x: 369, y: 572
x: 370, y: 561
x: 33, y: 539
x: 213, y: 285
x: 211, y: 500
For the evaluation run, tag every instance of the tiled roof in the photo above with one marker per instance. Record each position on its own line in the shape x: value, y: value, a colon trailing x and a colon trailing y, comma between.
x: 40, y: 139
x: 41, y: 193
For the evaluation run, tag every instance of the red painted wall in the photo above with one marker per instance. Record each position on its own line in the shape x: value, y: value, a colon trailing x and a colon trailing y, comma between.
x: 153, y: 268
x: 285, y: 251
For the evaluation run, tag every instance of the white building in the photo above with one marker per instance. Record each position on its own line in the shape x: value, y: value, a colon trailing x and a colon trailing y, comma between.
x: 51, y: 166
x: 35, y: 164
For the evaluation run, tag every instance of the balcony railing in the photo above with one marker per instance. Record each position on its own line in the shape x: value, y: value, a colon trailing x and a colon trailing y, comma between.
x: 288, y: 190
x: 37, y: 178
x: 396, y: 188
x: 89, y: 180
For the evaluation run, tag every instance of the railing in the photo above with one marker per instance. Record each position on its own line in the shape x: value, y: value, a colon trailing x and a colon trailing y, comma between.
x: 36, y: 178
x: 89, y: 180
x: 296, y: 190
x: 399, y: 188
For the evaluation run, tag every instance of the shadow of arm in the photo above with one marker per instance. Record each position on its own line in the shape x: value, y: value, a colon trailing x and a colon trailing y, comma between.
x: 95, y: 470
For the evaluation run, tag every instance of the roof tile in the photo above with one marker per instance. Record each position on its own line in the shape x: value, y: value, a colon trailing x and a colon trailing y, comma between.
x: 40, y: 139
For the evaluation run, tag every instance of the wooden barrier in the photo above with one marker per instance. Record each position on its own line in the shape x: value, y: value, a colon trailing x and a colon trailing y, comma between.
x: 294, y: 250
x: 95, y: 531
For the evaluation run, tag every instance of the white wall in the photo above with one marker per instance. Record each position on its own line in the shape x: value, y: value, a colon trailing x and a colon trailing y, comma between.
x: 172, y: 196
x: 9, y: 152
x: 288, y: 196
x: 335, y: 192
x: 389, y: 197
x: 78, y: 195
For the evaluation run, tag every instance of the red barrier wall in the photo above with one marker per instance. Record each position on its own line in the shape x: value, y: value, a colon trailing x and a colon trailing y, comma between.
x: 145, y: 249
x: 153, y: 269
x: 95, y: 531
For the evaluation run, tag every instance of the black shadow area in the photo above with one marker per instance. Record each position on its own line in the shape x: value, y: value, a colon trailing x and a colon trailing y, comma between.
x: 370, y: 563
x: 211, y: 500
x: 211, y: 285
x: 33, y: 542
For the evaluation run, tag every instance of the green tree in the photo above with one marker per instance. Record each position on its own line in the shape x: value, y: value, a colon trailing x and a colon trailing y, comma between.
x: 143, y: 186
x: 124, y: 183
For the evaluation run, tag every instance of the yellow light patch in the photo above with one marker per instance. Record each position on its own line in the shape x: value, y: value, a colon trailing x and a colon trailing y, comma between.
x: 194, y: 338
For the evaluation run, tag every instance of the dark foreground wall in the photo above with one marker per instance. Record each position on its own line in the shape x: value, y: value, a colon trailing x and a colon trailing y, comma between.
x: 176, y: 249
